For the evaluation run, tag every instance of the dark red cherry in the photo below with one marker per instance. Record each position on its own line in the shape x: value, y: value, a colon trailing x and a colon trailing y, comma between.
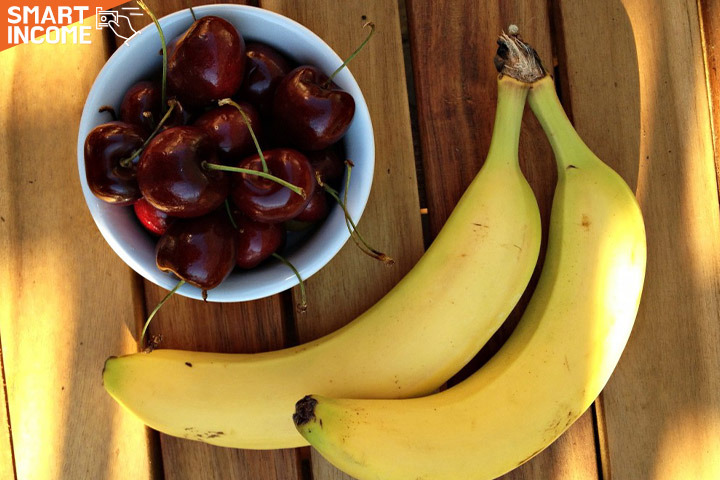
x: 266, y: 201
x: 317, y: 208
x: 328, y: 163
x: 200, y: 250
x: 228, y: 129
x: 105, y: 147
x: 256, y: 241
x: 312, y: 115
x: 141, y: 106
x: 264, y: 69
x: 171, y: 175
x: 207, y: 62
x: 154, y: 220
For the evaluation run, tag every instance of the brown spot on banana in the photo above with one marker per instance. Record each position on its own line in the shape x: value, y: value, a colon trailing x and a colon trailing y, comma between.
x: 585, y: 222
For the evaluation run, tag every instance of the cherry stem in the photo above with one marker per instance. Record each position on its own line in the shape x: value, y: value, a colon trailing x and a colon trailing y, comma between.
x: 228, y: 101
x: 232, y: 220
x: 302, y: 306
x: 157, y: 307
x: 193, y: 14
x: 357, y: 50
x: 127, y: 161
x: 352, y: 228
x: 349, y: 164
x: 108, y: 109
x: 225, y: 168
x: 164, y: 50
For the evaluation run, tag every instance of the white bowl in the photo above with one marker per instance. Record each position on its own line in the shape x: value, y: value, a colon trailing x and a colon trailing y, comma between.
x: 138, y: 59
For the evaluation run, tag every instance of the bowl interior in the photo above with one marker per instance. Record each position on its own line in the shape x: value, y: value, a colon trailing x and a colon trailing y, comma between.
x: 138, y: 59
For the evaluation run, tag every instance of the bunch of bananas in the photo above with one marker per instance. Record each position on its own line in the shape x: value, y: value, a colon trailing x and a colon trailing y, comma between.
x: 553, y: 366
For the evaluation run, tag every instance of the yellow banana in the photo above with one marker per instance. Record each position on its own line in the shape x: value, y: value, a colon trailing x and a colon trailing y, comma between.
x: 409, y: 343
x: 553, y: 366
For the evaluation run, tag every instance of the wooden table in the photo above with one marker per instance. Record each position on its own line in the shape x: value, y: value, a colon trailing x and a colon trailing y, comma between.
x: 636, y: 76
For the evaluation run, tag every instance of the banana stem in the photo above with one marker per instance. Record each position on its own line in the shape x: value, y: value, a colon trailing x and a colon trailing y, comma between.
x: 564, y: 140
x: 508, y: 120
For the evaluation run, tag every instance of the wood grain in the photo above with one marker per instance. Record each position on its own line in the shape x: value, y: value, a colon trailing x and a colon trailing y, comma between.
x: 7, y: 460
x: 662, y: 403
x: 710, y: 16
x: 7, y: 465
x: 239, y: 327
x: 65, y: 298
x: 634, y: 81
x: 352, y: 282
x: 456, y: 94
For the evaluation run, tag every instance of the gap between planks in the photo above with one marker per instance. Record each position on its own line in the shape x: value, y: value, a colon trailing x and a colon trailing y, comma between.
x: 7, y: 412
x: 709, y: 19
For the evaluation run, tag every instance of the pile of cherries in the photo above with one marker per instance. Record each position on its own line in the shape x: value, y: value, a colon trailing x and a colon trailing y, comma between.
x: 171, y: 155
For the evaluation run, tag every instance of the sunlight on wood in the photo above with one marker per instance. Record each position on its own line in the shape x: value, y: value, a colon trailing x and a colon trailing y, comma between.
x: 663, y: 403
x: 47, y: 305
x: 689, y: 445
x: 7, y: 63
x: 62, y: 315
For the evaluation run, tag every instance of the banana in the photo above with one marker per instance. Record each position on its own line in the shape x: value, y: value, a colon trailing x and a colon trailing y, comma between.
x: 408, y: 344
x: 552, y: 367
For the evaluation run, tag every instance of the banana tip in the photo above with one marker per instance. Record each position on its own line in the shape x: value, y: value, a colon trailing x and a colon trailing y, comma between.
x: 304, y: 411
x: 105, y: 366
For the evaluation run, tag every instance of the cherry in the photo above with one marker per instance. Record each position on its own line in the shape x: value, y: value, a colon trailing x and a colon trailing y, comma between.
x: 317, y: 208
x: 264, y: 69
x: 312, y: 115
x: 256, y: 241
x: 172, y: 177
x: 267, y: 201
x: 328, y: 163
x: 226, y: 126
x: 310, y: 109
x: 207, y: 62
x: 141, y: 105
x: 200, y: 250
x: 110, y: 176
x: 154, y: 220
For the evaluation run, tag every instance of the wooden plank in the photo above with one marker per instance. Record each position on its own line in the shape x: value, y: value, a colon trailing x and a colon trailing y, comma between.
x: 453, y: 44
x: 710, y: 16
x: 248, y: 327
x: 240, y: 327
x: 352, y: 282
x: 7, y: 467
x: 649, y: 118
x: 66, y: 301
x: 7, y: 461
